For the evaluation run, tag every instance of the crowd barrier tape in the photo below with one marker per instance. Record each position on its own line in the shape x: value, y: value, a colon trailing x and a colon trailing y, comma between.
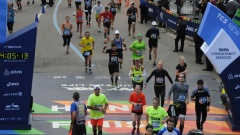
x: 171, y: 19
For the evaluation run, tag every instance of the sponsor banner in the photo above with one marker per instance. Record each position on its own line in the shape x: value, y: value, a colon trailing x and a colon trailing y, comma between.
x: 222, y: 49
x: 153, y: 11
x: 16, y: 73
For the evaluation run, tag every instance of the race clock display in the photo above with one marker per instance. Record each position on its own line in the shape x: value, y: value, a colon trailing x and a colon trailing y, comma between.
x: 13, y: 56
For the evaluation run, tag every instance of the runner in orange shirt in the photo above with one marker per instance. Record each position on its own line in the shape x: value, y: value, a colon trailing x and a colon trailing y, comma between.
x: 79, y: 19
x: 138, y: 100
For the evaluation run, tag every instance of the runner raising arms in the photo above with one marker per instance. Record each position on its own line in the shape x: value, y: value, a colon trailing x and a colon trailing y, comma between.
x: 138, y: 100
x: 107, y: 22
x: 113, y: 5
x: 98, y: 9
x: 113, y: 62
x: 119, y: 41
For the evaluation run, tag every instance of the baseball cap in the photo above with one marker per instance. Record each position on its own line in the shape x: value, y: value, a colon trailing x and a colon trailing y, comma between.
x: 139, y: 35
x: 96, y: 87
x: 132, y: 3
x: 116, y: 32
x: 154, y: 23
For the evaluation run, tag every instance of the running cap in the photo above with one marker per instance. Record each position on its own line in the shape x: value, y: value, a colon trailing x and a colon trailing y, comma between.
x: 154, y: 23
x: 139, y: 35
x: 116, y: 32
x: 97, y: 87
x: 132, y: 3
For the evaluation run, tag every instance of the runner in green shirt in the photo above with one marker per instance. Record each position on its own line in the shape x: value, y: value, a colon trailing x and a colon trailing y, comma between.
x: 138, y: 49
x: 97, y: 103
x: 156, y: 116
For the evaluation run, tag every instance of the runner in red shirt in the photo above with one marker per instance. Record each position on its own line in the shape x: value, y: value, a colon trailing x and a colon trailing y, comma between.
x: 107, y: 22
x: 138, y: 100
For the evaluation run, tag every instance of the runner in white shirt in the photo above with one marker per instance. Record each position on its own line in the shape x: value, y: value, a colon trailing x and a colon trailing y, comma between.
x: 98, y: 9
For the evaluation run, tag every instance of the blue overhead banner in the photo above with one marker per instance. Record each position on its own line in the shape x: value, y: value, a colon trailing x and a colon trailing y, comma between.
x: 153, y: 11
x: 16, y: 74
x: 3, y: 20
x: 222, y: 42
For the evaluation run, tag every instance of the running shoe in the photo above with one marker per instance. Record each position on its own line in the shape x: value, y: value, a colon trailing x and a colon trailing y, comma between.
x: 67, y: 52
x: 90, y: 71
x: 86, y: 70
x: 28, y: 2
x: 74, y: 13
x: 133, y: 36
x: 112, y: 27
x: 150, y: 57
x: 154, y: 63
x: 116, y: 84
x: 133, y: 131
x: 99, y: 31
x: 138, y: 131
x: 112, y: 85
x: 129, y: 34
x: 105, y: 41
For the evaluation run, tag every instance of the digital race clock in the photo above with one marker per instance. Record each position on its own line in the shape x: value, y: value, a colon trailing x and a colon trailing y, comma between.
x: 13, y: 56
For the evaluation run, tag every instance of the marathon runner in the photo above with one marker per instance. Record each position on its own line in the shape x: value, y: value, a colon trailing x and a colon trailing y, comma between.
x: 10, y: 17
x: 138, y: 48
x: 66, y: 31
x: 98, y: 104
x: 88, y: 9
x: 119, y: 41
x: 87, y: 44
x: 79, y: 19
x: 98, y: 9
x: 107, y: 20
x: 131, y: 13
x: 113, y: 5
x: 159, y: 85
x: 156, y: 116
x: 137, y: 72
x: 138, y: 100
x: 113, y: 62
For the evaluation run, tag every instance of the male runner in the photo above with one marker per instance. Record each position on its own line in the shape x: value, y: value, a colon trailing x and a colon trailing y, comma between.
x: 138, y: 49
x: 107, y: 22
x: 98, y: 9
x: 170, y: 129
x: 87, y: 44
x: 113, y: 5
x: 97, y: 103
x: 131, y: 13
x: 88, y: 9
x: 119, y: 41
x: 156, y: 116
x: 113, y: 62
x: 153, y: 35
x: 159, y: 85
x: 138, y: 100
x: 78, y: 115
x: 180, y: 100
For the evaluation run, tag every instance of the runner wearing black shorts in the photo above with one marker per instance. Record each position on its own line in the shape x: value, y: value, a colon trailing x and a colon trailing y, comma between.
x: 113, y: 7
x: 159, y: 86
x: 153, y: 35
x: 131, y: 13
x: 113, y: 62
x: 88, y: 9
x: 180, y: 101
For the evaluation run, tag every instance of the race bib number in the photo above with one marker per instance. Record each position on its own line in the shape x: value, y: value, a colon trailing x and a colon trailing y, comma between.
x: 98, y: 106
x: 159, y: 80
x: 114, y: 58
x: 153, y: 36
x: 66, y: 32
x: 86, y: 53
x: 88, y: 3
x: 140, y: 52
x: 106, y: 20
x: 137, y: 78
x: 155, y: 124
x: 119, y: 46
x: 137, y: 107
x: 132, y: 16
x: 113, y: 9
x: 80, y: 19
x: 204, y: 99
x: 181, y: 97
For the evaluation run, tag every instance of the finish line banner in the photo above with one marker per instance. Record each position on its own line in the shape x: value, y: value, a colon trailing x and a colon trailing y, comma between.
x: 222, y: 43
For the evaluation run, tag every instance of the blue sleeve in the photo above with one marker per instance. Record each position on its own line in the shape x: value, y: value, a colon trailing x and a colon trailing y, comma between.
x: 85, y: 106
x: 194, y: 92
x: 162, y: 131
x: 73, y: 107
x: 177, y: 131
x: 207, y: 90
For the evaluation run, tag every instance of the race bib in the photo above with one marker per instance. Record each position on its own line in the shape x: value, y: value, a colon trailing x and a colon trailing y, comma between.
x: 140, y: 52
x: 86, y: 53
x: 98, y: 11
x: 181, y: 97
x: 155, y: 124
x: 132, y: 16
x: 119, y: 46
x: 137, y: 78
x: 153, y: 36
x: 66, y: 32
x: 88, y: 3
x: 106, y: 20
x: 159, y: 80
x: 138, y: 107
x: 98, y: 106
x: 113, y: 9
x: 204, y: 99
x: 114, y: 58
x: 80, y: 19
